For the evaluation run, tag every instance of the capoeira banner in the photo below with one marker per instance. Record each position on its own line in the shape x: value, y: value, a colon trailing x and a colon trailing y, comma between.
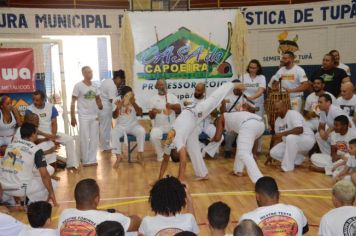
x: 183, y: 49
x: 16, y: 70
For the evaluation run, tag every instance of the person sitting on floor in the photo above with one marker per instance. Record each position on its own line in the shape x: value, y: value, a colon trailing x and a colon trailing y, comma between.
x: 247, y: 228
x: 218, y: 217
x: 339, y: 139
x: 341, y: 220
x: 83, y: 219
x: 16, y: 169
x: 274, y: 217
x: 39, y: 217
x: 168, y: 197
x: 110, y: 228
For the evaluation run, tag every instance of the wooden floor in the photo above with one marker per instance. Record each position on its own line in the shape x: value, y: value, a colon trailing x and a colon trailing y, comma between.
x: 127, y: 187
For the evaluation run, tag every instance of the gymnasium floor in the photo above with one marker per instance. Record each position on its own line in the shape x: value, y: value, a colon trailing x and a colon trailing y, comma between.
x: 127, y: 187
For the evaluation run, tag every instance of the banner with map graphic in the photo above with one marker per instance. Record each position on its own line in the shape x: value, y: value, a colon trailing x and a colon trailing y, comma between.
x: 183, y: 49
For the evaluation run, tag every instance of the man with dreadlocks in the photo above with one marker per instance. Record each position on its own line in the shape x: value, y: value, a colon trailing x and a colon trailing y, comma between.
x: 182, y: 136
x: 168, y: 197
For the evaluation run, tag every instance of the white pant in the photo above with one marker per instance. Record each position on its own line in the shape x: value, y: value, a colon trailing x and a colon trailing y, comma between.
x: 324, y: 145
x: 35, y: 190
x: 296, y: 103
x: 156, y: 137
x: 213, y: 147
x: 105, y: 121
x: 313, y: 124
x: 119, y: 131
x: 68, y: 142
x: 249, y: 132
x: 89, y: 139
x: 45, y: 146
x: 291, y: 151
x: 195, y: 155
x: 325, y: 161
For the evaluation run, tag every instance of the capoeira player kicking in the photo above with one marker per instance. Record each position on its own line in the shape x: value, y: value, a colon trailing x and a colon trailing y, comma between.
x: 249, y: 128
x: 183, y: 137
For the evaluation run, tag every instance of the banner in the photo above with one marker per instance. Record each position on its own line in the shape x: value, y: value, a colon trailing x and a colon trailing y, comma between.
x: 173, y: 46
x: 16, y: 70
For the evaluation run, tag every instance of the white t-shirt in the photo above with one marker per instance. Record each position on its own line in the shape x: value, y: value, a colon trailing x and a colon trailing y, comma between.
x: 162, y: 225
x: 351, y: 162
x: 76, y: 222
x: 86, y: 96
x: 292, y: 119
x: 328, y: 119
x: 9, y: 225
x: 16, y: 166
x: 311, y: 103
x: 108, y: 90
x: 159, y: 102
x: 29, y: 231
x: 338, y: 221
x: 349, y: 106
x: 342, y: 141
x: 252, y: 85
x: 234, y: 120
x: 278, y: 219
x: 292, y: 78
x: 345, y: 67
x: 127, y: 116
x: 45, y: 115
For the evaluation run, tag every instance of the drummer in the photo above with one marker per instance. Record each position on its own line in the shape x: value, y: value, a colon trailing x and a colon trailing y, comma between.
x: 294, y: 80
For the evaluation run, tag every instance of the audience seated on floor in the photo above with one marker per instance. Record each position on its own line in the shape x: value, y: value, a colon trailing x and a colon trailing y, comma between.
x: 110, y: 228
x: 167, y: 198
x: 274, y: 217
x: 218, y: 217
x: 342, y: 219
x: 39, y: 217
x: 247, y: 228
x: 83, y: 219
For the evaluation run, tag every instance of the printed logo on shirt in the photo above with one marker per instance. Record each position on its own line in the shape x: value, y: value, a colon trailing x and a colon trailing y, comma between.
x: 315, y: 107
x: 288, y: 77
x: 342, y: 146
x: 256, y: 85
x: 12, y: 162
x: 168, y: 232
x: 348, y: 109
x: 349, y: 228
x: 43, y: 115
x: 282, y: 128
x: 281, y: 223
x: 90, y: 95
x: 78, y: 226
x: 327, y: 77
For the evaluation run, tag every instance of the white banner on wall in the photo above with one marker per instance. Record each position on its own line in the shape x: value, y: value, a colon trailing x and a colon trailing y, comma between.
x: 193, y: 46
x: 60, y: 21
x: 182, y: 48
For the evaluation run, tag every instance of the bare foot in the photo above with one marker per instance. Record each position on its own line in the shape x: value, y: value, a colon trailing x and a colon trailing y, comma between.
x: 117, y: 162
x: 268, y: 161
x: 238, y: 174
x: 107, y: 151
x: 88, y: 165
x: 202, y: 178
x: 139, y: 157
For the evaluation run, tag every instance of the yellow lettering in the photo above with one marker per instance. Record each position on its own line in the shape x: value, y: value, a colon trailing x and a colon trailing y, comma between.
x: 174, y: 68
x: 157, y: 69
x: 165, y: 67
x: 195, y: 67
x: 183, y: 67
x: 204, y: 67
x: 148, y: 68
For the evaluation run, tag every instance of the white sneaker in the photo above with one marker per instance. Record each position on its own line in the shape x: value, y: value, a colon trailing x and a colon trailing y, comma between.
x: 159, y: 159
x: 328, y: 170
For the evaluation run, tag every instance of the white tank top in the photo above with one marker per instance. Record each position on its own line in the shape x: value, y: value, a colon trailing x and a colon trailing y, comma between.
x: 7, y: 129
